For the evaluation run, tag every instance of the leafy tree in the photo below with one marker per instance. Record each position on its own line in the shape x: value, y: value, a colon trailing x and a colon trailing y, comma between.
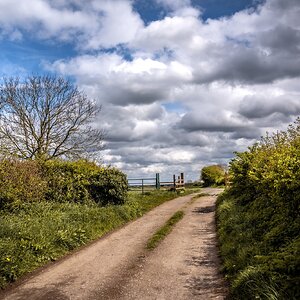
x: 213, y: 175
x: 46, y: 117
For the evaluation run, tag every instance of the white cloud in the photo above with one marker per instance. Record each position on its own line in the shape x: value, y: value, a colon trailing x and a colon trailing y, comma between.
x: 118, y: 24
x: 171, y: 32
x: 112, y: 79
x: 88, y: 24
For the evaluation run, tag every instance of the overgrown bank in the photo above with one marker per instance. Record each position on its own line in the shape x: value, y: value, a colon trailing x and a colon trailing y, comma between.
x: 259, y: 220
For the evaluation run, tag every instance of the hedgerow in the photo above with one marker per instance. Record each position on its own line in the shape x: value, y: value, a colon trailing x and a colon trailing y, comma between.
x: 82, y: 181
x: 259, y: 220
x: 20, y: 182
x: 59, y: 181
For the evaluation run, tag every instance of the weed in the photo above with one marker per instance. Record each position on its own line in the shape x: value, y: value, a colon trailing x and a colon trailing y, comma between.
x: 160, y: 234
x: 200, y: 195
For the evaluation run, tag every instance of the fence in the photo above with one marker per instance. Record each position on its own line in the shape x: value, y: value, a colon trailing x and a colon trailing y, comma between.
x: 147, y: 184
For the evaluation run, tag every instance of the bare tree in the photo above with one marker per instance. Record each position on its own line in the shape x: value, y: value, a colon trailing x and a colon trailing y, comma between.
x: 46, y: 117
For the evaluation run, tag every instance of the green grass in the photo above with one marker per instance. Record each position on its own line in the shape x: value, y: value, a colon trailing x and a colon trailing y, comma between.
x: 39, y: 232
x: 255, y: 263
x: 160, y: 234
x: 200, y: 195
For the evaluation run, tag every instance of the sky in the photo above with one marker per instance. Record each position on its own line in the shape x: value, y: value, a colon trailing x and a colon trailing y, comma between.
x: 182, y: 83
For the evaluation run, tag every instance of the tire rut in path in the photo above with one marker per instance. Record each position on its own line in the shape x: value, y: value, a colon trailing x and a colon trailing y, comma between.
x: 185, y: 265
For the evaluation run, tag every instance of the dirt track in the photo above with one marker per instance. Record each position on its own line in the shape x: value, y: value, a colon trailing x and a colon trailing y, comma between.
x: 184, y: 266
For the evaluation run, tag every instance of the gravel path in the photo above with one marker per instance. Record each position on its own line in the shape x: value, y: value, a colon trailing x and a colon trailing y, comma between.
x: 184, y: 266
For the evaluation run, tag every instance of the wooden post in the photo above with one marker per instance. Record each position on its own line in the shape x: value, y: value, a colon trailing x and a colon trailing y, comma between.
x: 157, y: 183
x: 182, y: 179
x: 174, y: 182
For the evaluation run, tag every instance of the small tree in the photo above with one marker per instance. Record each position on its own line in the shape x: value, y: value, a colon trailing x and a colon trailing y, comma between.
x: 46, y: 117
x: 213, y: 175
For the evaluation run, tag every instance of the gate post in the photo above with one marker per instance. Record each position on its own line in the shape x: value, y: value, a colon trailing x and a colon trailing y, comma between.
x: 182, y: 178
x: 157, y: 182
x: 174, y: 182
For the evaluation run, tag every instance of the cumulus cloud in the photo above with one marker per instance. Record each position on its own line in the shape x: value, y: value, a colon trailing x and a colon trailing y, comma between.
x: 235, y: 77
x: 88, y: 24
x: 248, y: 47
x: 281, y: 38
x: 261, y: 106
x: 115, y: 80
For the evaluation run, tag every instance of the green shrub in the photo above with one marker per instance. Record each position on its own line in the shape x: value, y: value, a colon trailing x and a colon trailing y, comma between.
x: 60, y: 181
x: 20, y: 182
x: 108, y: 186
x: 83, y: 181
x: 259, y: 221
x: 213, y: 175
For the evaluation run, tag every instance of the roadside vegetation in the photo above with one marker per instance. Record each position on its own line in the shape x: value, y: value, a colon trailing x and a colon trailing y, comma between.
x: 161, y: 233
x: 48, y: 209
x: 259, y: 222
x: 199, y: 195
x: 213, y: 175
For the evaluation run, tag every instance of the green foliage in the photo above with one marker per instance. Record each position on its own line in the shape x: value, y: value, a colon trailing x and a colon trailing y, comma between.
x: 108, y: 185
x: 154, y: 198
x: 259, y: 221
x: 20, y: 182
x: 40, y: 232
x: 161, y: 233
x: 200, y: 195
x: 82, y: 181
x: 67, y: 181
x: 213, y: 175
x: 60, y: 181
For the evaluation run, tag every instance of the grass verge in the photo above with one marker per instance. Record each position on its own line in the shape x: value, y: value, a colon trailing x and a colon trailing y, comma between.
x: 39, y: 232
x: 160, y: 234
x: 256, y: 264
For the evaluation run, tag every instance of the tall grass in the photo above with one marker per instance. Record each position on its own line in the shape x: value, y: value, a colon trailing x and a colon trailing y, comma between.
x: 162, y: 232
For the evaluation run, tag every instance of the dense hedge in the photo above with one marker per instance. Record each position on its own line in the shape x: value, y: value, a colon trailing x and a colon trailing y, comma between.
x: 259, y: 221
x: 20, y: 182
x: 60, y: 181
x: 82, y: 181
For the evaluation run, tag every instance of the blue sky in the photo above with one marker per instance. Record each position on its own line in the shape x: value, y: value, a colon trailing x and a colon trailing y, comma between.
x: 151, y: 11
x: 183, y: 83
